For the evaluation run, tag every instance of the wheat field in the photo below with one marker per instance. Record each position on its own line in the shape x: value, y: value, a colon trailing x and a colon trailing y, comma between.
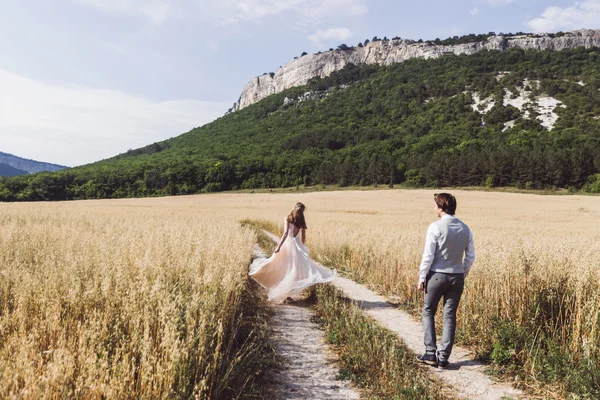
x: 532, y: 302
x: 140, y: 297
x: 120, y: 300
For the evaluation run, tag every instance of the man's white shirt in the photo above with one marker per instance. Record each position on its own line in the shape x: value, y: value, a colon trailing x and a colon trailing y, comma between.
x: 433, y: 233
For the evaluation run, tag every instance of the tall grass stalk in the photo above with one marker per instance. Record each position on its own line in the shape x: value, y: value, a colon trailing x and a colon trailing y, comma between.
x: 126, y: 302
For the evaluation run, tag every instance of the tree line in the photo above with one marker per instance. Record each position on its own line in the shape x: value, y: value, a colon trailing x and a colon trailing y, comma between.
x: 410, y: 123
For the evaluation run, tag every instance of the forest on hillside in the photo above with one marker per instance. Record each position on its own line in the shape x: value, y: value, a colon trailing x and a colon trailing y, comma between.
x: 9, y: 171
x: 410, y: 123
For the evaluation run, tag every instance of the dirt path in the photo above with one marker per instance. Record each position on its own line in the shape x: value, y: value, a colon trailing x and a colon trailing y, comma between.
x: 465, y: 375
x: 307, y: 369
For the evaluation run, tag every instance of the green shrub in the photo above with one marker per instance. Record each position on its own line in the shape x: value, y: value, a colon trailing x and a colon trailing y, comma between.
x: 414, y: 178
x: 528, y: 185
x: 593, y: 184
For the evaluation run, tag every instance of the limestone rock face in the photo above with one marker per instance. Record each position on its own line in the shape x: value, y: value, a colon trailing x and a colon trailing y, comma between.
x: 299, y: 71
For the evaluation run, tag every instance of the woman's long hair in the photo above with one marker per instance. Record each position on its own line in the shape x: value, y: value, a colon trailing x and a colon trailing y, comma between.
x: 296, y: 217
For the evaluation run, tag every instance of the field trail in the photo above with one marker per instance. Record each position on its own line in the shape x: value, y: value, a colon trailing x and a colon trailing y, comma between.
x: 465, y: 375
x: 307, y: 370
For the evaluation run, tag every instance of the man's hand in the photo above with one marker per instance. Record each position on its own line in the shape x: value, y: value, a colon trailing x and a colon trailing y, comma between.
x: 421, y: 286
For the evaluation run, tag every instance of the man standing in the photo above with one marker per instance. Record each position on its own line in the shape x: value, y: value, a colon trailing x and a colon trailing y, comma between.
x: 442, y: 274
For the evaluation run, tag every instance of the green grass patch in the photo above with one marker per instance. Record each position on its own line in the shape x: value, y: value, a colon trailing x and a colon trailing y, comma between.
x: 535, y: 356
x: 372, y: 357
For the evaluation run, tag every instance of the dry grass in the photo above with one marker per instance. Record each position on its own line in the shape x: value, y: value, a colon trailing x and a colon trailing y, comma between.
x: 532, y: 303
x: 126, y: 300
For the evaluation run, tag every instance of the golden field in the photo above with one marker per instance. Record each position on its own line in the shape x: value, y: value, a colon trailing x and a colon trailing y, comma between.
x: 124, y: 300
x: 532, y: 301
x: 104, y: 296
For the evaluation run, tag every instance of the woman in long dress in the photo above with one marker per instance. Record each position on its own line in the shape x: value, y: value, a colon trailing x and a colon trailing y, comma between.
x: 290, y: 269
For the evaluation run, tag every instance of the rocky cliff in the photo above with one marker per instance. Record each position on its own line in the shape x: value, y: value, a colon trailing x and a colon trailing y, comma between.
x: 300, y: 70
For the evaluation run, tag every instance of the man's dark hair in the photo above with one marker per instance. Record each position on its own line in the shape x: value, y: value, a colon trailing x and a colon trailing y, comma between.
x: 446, y: 202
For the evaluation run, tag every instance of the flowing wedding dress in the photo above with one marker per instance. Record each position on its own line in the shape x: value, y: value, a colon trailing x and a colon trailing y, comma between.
x: 291, y: 270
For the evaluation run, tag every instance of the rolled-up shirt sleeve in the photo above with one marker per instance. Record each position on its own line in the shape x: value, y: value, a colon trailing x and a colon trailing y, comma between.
x: 469, y: 254
x: 433, y: 233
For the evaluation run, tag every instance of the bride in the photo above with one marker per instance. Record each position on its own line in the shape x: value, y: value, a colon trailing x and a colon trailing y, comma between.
x: 290, y: 270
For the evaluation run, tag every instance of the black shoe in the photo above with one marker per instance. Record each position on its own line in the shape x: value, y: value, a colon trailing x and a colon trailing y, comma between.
x: 428, y: 359
x: 443, y: 364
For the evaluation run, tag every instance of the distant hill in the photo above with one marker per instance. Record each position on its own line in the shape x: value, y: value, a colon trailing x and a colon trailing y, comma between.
x: 520, y: 118
x: 8, y: 171
x: 27, y: 166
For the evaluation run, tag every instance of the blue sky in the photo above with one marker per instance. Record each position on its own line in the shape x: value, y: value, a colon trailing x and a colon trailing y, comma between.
x: 83, y: 80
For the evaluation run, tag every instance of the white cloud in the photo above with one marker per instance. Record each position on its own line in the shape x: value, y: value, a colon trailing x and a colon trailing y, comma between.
x: 498, y: 3
x: 253, y: 10
x: 584, y: 14
x: 74, y: 125
x: 474, y: 11
x: 256, y: 10
x: 228, y: 11
x: 332, y: 33
x: 156, y: 11
x: 327, y: 8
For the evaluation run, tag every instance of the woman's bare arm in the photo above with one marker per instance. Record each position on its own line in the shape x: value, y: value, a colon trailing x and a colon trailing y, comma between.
x: 283, y: 237
x: 303, y: 236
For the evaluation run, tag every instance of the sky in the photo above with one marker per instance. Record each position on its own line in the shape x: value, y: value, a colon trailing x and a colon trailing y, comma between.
x: 84, y: 80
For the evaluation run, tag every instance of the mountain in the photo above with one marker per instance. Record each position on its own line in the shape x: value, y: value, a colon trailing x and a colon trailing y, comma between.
x: 386, y: 52
x: 514, y: 117
x: 27, y: 166
x: 8, y: 171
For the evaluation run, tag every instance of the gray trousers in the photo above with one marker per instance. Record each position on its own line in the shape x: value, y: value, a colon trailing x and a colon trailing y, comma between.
x: 450, y: 287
